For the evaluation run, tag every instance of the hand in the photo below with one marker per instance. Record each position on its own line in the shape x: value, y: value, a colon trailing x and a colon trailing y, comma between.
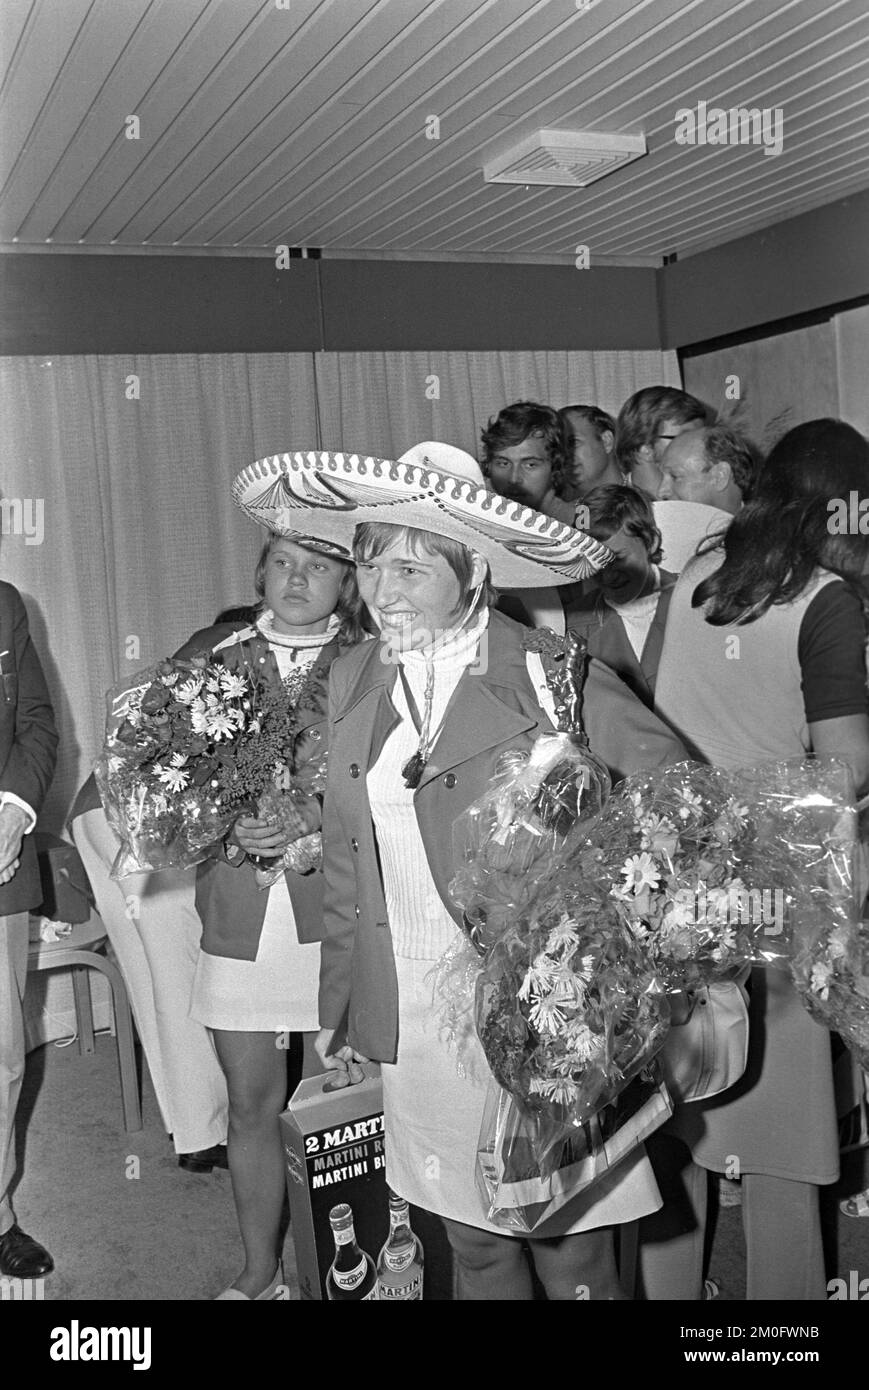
x: 345, y: 1061
x: 682, y: 1003
x: 12, y: 823
x: 261, y: 837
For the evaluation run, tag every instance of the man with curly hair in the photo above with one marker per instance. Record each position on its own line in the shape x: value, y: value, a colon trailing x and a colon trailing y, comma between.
x: 525, y: 458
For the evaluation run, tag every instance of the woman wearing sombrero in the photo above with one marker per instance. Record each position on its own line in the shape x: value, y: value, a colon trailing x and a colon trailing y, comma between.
x: 418, y: 721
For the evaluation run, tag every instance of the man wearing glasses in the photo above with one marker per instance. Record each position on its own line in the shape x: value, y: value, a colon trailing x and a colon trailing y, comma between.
x: 648, y: 423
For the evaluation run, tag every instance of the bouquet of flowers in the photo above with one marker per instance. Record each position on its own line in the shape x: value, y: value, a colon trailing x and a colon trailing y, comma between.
x: 568, y: 1011
x: 191, y: 745
x: 713, y: 869
x: 506, y: 840
x: 521, y: 1197
x: 685, y: 874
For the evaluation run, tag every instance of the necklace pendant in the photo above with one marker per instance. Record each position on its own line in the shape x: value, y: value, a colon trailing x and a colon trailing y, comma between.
x: 413, y: 770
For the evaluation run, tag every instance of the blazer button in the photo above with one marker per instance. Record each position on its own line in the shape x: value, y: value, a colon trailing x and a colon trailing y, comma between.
x: 354, y: 845
x: 315, y: 734
x: 356, y: 909
x: 354, y: 769
x: 450, y: 780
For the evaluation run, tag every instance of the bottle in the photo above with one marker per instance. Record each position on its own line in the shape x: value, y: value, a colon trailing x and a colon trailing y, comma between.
x: 352, y: 1275
x: 400, y: 1263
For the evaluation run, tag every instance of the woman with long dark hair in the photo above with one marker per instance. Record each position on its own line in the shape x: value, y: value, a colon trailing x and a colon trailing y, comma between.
x: 764, y: 660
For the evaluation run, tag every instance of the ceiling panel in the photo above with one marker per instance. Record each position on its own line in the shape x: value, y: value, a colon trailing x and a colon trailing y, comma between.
x: 303, y: 121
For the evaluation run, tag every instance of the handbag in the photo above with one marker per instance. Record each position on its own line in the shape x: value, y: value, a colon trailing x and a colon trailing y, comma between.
x: 709, y: 1052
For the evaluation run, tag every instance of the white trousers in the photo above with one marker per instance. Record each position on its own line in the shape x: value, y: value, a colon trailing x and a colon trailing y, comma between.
x: 154, y: 929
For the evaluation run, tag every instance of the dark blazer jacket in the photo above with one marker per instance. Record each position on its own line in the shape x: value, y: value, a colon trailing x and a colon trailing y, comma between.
x: 605, y: 633
x: 494, y: 709
x: 28, y: 740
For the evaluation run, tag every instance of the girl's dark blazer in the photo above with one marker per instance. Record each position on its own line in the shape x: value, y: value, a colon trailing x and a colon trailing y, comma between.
x: 495, y: 708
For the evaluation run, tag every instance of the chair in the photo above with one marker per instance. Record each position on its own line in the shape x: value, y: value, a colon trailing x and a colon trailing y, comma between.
x: 83, y: 950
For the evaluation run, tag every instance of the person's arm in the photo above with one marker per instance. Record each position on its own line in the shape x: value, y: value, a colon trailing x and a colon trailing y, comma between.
x: 336, y: 948
x: 833, y: 671
x: 846, y: 738
x: 29, y: 767
x: 621, y: 730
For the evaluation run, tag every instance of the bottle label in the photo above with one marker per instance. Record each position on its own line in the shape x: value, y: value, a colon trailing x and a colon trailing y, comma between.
x: 345, y: 1237
x: 397, y: 1260
x: 350, y: 1278
x: 411, y: 1290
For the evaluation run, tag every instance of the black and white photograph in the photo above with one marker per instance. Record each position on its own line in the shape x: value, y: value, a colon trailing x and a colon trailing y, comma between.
x: 434, y: 642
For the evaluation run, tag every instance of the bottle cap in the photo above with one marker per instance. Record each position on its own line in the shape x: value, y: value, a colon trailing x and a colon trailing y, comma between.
x: 341, y: 1217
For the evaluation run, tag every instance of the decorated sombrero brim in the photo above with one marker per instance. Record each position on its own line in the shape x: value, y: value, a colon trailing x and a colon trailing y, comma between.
x: 327, y: 495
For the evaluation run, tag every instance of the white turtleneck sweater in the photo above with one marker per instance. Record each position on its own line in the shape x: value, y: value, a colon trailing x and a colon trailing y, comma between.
x: 420, y: 924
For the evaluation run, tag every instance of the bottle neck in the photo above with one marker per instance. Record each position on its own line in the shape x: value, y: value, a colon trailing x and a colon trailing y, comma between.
x: 400, y: 1248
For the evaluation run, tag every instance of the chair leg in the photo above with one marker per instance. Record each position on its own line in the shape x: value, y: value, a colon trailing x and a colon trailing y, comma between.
x: 83, y: 1009
x: 126, y: 1049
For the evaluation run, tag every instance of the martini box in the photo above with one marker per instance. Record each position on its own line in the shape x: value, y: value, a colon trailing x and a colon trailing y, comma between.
x: 335, y: 1152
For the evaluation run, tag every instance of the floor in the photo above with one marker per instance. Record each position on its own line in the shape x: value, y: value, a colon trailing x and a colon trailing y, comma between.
x: 124, y: 1222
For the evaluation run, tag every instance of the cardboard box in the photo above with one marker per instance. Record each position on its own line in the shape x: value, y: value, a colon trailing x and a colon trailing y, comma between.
x: 335, y: 1152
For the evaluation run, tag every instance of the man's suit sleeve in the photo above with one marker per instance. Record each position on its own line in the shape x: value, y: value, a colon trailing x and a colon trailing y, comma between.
x: 339, y: 896
x: 29, y: 767
x: 621, y: 730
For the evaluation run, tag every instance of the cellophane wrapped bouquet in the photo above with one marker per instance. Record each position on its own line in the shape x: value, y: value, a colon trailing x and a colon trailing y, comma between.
x: 545, y: 992
x: 192, y: 744
x: 582, y: 926
x: 715, y: 869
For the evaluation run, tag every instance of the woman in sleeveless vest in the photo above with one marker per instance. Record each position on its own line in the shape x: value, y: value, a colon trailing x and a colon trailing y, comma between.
x: 764, y: 660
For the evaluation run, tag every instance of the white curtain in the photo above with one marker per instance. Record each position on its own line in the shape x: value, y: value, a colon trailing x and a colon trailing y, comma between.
x: 131, y: 459
x: 382, y: 402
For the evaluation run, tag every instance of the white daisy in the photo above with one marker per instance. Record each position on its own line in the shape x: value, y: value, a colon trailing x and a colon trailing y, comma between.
x: 219, y: 724
x: 641, y: 871
x: 187, y: 692
x: 547, y: 1016
x: 562, y: 934
x: 199, y: 720
x: 175, y: 778
x: 234, y: 686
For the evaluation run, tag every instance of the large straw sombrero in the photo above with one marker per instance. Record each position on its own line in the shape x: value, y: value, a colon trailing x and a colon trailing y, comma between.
x: 433, y: 487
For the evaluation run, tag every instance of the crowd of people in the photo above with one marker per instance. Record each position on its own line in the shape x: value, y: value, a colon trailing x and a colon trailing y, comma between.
x: 704, y: 538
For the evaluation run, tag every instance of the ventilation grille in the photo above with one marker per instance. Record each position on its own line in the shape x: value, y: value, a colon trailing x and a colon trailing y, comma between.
x: 564, y: 158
